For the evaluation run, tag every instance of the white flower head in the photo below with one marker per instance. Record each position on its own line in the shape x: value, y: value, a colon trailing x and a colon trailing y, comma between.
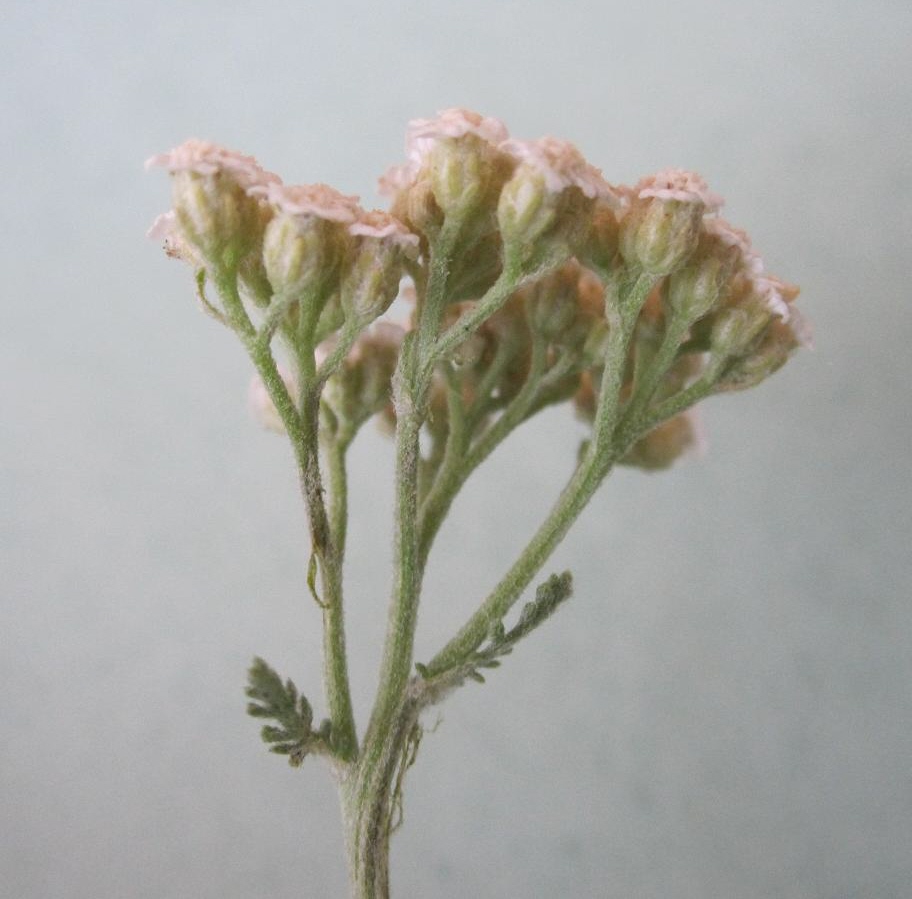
x: 310, y: 200
x: 205, y: 158
x: 680, y: 185
x: 384, y: 227
x: 561, y: 165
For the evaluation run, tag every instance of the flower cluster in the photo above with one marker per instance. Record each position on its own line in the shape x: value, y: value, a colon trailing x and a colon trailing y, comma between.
x: 525, y: 280
x: 582, y: 271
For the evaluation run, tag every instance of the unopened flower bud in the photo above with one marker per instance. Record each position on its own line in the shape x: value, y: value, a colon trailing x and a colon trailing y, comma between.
x: 734, y: 330
x: 455, y: 168
x: 307, y: 237
x: 662, y: 227
x: 600, y: 248
x: 411, y: 200
x: 420, y: 209
x: 737, y: 328
x: 470, y: 352
x: 360, y: 388
x: 694, y: 290
x: 552, y: 301
x: 545, y: 209
x: 214, y: 211
x: 778, y: 344
x: 670, y: 441
x: 371, y: 282
x: 458, y: 149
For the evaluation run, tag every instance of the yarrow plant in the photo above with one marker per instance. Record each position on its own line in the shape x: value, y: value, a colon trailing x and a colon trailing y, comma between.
x: 532, y: 282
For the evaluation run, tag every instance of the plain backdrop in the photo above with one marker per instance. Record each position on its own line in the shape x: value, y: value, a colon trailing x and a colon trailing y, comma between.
x: 724, y: 709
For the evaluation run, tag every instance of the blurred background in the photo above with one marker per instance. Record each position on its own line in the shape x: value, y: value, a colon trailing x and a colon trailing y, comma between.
x: 725, y: 706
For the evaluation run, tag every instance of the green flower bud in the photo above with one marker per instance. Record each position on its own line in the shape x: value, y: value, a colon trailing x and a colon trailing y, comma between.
x: 546, y: 208
x: 371, y: 281
x: 779, y: 342
x: 599, y: 250
x: 662, y: 228
x: 552, y: 302
x: 455, y: 169
x: 307, y: 239
x: 736, y: 329
x: 694, y: 290
x: 361, y: 387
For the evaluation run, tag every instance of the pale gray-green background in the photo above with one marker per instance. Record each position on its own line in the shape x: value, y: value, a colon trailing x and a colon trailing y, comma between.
x: 724, y: 708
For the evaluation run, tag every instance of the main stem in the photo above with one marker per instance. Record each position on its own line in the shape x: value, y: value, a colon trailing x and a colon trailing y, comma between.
x: 366, y: 790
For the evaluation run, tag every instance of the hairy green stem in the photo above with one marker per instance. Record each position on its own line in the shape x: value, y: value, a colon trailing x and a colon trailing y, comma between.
x: 622, y: 312
x: 459, y: 465
x: 368, y: 802
x: 338, y: 492
x: 675, y: 331
x: 410, y: 399
x: 579, y: 490
x: 302, y: 424
x: 621, y: 309
x: 497, y: 295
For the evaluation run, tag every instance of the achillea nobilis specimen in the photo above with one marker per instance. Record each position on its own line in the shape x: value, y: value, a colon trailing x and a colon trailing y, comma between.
x: 531, y: 281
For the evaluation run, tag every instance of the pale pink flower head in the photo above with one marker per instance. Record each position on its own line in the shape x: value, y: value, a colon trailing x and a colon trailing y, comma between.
x: 310, y: 201
x: 679, y: 185
x: 663, y: 220
x: 422, y: 135
x: 385, y: 228
x: 382, y: 247
x: 546, y: 209
x: 768, y: 354
x: 730, y: 236
x: 560, y: 165
x: 773, y: 295
x: 206, y: 158
x: 454, y: 161
x: 214, y: 212
x: 307, y: 237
